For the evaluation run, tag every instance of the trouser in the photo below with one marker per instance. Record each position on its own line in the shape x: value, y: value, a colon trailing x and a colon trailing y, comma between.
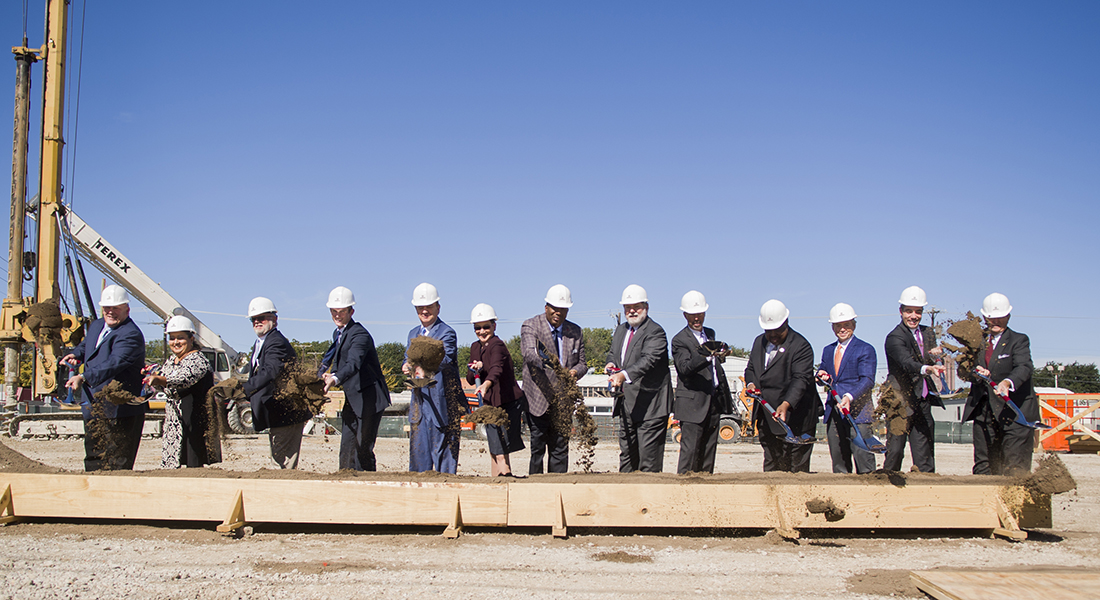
x: 641, y: 444
x: 780, y: 455
x: 921, y: 438
x: 357, y: 438
x: 1001, y: 447
x: 699, y: 443
x: 112, y: 444
x: 843, y: 449
x: 544, y: 436
x: 286, y: 444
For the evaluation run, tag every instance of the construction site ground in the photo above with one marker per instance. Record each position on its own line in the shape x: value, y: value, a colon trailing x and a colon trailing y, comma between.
x: 190, y: 560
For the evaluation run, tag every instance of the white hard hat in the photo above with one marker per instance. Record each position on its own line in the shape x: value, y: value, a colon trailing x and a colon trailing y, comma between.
x: 559, y: 296
x: 425, y: 294
x: 841, y: 312
x: 634, y: 294
x: 114, y: 295
x: 179, y: 323
x: 340, y: 297
x: 482, y: 312
x: 996, y: 306
x: 913, y: 296
x: 773, y: 314
x: 694, y: 303
x: 260, y: 306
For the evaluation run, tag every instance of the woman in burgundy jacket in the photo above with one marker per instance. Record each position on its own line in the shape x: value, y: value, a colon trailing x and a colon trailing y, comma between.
x: 491, y: 362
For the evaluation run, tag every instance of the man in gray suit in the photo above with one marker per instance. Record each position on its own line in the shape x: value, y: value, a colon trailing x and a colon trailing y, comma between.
x: 702, y: 394
x: 639, y: 362
x: 565, y: 339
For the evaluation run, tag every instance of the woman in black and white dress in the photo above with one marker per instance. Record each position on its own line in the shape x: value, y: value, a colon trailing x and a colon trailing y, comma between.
x: 186, y: 377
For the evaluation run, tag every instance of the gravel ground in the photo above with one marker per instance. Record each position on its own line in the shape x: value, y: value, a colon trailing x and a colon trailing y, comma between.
x: 91, y: 560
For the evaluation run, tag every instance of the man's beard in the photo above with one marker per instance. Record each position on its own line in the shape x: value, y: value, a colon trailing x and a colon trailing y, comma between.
x: 636, y: 321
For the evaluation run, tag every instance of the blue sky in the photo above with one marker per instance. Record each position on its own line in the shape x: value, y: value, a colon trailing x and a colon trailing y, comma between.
x: 807, y: 151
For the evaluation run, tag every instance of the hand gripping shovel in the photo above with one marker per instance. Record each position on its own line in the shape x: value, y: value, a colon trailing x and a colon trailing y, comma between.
x: 872, y: 445
x: 1016, y: 409
x: 791, y: 438
x: 477, y: 383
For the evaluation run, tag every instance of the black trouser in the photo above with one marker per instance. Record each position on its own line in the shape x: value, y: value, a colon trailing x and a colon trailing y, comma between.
x: 357, y: 438
x: 641, y: 444
x: 699, y: 443
x: 843, y: 449
x: 1001, y: 447
x: 543, y: 436
x: 921, y: 438
x: 780, y: 455
x: 112, y: 443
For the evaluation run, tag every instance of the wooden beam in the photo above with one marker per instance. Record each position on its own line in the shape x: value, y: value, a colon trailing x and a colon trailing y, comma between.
x: 7, y: 508
x: 1076, y: 584
x: 235, y: 519
x: 783, y: 526
x: 1010, y: 527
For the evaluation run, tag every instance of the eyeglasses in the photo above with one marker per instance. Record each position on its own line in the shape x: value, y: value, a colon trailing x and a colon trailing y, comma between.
x: 482, y: 327
x: 260, y: 318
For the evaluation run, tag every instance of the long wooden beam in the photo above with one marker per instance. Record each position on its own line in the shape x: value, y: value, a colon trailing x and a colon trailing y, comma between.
x: 555, y: 505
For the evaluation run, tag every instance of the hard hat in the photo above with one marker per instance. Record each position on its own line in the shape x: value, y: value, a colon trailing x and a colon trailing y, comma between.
x: 340, y: 297
x: 773, y: 314
x: 634, y: 294
x: 694, y: 303
x: 114, y: 295
x: 913, y: 296
x: 841, y: 312
x: 482, y: 312
x: 996, y: 306
x: 179, y: 323
x: 425, y: 294
x: 559, y: 296
x: 260, y: 306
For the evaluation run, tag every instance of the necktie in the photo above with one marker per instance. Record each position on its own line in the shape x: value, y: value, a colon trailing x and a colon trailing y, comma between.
x: 256, y: 353
x: 924, y: 381
x: 836, y: 359
x: 988, y: 351
x: 424, y: 331
x: 102, y: 335
x: 920, y: 342
x: 626, y: 346
x: 557, y: 341
x: 336, y: 335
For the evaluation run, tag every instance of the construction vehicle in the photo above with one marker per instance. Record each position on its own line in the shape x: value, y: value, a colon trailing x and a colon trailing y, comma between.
x: 59, y: 231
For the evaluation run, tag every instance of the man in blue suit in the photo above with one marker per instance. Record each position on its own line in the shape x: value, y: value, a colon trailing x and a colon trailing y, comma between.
x: 433, y: 445
x: 848, y: 364
x: 355, y: 368
x: 113, y: 349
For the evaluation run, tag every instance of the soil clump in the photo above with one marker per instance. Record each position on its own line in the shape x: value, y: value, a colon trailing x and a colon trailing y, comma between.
x: 1050, y: 478
x: 45, y: 322
x: 970, y: 334
x: 301, y: 387
x: 620, y: 556
x: 566, y: 404
x: 490, y: 415
x: 427, y: 353
x: 825, y: 506
x: 893, y: 409
x: 115, y: 394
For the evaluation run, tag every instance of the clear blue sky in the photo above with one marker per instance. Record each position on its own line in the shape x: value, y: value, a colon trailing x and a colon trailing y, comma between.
x: 814, y: 152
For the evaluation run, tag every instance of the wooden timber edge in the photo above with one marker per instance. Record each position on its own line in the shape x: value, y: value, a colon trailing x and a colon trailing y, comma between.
x: 555, y: 505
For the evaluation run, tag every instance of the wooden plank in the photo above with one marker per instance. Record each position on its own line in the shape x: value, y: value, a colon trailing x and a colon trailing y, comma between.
x: 235, y: 519
x: 7, y: 509
x: 1068, y: 421
x: 269, y: 500
x: 1008, y: 585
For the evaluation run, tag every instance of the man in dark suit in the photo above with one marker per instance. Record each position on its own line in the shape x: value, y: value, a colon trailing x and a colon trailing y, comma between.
x: 113, y: 349
x: 781, y: 367
x: 565, y: 339
x: 436, y: 434
x: 911, y: 352
x: 640, y: 351
x: 702, y: 393
x: 848, y: 365
x: 270, y: 355
x: 1001, y: 445
x: 355, y: 368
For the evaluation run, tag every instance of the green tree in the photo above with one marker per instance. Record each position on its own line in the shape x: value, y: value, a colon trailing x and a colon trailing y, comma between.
x: 517, y: 357
x: 597, y: 343
x: 739, y: 352
x: 463, y: 360
x: 310, y: 353
x: 1081, y: 378
x: 391, y: 355
x: 154, y: 351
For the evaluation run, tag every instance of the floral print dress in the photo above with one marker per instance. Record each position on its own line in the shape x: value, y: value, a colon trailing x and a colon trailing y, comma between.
x: 183, y: 376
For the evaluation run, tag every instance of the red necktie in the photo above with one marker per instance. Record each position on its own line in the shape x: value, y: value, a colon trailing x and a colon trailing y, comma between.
x: 988, y: 351
x: 629, y: 339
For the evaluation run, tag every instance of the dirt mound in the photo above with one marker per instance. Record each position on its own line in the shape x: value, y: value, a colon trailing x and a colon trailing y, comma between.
x: 14, y: 461
x: 113, y: 393
x: 620, y: 556
x: 566, y: 404
x: 490, y: 415
x: 970, y: 334
x: 426, y: 353
x: 300, y: 385
x: 893, y: 409
x: 825, y: 506
x: 1050, y: 478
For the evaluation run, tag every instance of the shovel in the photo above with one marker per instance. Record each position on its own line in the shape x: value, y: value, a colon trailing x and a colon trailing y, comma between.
x: 873, y: 445
x: 1016, y: 409
x: 477, y: 383
x: 791, y: 438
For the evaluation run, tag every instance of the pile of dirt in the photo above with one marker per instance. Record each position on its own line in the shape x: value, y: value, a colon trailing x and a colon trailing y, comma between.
x: 113, y: 393
x: 427, y: 353
x: 884, y: 582
x: 827, y: 507
x: 566, y: 404
x: 300, y: 385
x: 970, y: 334
x: 16, y: 462
x: 45, y: 321
x: 216, y: 398
x: 490, y: 415
x: 893, y: 409
x: 1050, y: 478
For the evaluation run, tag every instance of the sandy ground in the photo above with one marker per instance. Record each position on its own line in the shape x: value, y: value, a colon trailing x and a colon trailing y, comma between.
x: 90, y: 560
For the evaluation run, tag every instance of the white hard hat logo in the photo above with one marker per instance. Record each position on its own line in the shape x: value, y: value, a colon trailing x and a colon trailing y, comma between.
x: 559, y: 296
x: 340, y: 297
x: 425, y: 294
x: 634, y: 294
x: 996, y: 306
